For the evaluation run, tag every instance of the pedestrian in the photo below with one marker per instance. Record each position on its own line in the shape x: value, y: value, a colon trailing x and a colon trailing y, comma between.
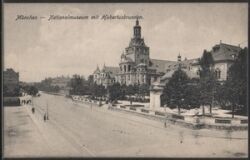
x: 33, y: 110
x: 165, y: 124
x: 44, y: 117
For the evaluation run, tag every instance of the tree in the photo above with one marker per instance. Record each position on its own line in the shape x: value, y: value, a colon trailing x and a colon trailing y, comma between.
x: 114, y: 91
x: 235, y: 88
x: 144, y: 90
x: 98, y: 91
x: 174, y: 93
x: 130, y: 90
x: 90, y: 80
x: 192, y: 94
x: 32, y: 90
x: 78, y: 85
x: 207, y: 80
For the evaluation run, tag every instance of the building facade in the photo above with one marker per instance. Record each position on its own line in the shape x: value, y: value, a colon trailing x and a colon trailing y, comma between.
x: 61, y: 81
x: 223, y: 56
x: 136, y: 66
x: 106, y: 76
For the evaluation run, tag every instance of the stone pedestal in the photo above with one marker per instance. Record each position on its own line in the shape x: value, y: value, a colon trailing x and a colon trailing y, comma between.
x: 155, y: 96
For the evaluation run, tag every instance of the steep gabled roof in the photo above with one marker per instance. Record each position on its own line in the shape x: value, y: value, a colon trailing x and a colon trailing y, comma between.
x: 111, y: 69
x: 97, y: 70
x: 160, y: 65
x: 224, y: 52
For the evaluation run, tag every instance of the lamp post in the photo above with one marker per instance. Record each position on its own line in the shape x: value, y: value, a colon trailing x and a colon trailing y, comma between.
x: 47, y: 106
x: 33, y: 108
x: 165, y: 124
x: 234, y: 58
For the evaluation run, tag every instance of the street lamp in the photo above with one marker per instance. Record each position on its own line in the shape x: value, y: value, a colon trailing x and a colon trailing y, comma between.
x: 165, y: 124
x: 234, y: 58
x: 47, y: 106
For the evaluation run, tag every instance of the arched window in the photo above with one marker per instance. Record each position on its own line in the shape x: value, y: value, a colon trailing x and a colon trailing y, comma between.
x: 217, y: 73
x: 198, y: 72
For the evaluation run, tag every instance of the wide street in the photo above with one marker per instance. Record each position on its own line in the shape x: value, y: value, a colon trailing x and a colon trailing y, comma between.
x: 79, y: 130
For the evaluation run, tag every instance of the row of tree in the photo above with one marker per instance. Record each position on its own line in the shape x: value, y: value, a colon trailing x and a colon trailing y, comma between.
x: 183, y: 92
x: 18, y: 90
x: 46, y: 85
x: 117, y: 91
x: 29, y: 89
x: 80, y: 86
x: 9, y: 91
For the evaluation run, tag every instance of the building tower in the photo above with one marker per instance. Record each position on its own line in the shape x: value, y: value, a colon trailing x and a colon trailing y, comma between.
x: 137, y: 30
x: 179, y: 57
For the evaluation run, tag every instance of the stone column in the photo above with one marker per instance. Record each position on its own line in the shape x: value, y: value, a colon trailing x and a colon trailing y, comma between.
x: 152, y: 100
x: 155, y: 96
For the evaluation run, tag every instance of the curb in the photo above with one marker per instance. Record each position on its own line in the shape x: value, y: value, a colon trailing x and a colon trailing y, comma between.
x: 182, y: 122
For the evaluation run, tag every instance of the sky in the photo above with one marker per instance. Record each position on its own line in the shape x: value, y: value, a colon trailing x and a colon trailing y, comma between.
x: 40, y: 48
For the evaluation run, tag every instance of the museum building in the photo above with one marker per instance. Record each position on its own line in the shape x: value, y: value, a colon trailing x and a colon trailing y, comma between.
x: 136, y: 66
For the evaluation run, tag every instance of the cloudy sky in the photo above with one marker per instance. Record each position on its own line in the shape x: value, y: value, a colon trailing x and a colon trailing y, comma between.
x: 41, y: 48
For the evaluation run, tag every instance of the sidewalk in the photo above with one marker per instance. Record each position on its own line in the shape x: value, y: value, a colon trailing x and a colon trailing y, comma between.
x: 22, y: 137
x: 27, y: 135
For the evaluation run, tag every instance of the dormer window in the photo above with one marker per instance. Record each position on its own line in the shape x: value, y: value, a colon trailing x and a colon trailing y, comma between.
x: 233, y: 56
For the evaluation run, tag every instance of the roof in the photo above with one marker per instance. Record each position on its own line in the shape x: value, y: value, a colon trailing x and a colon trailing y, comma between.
x: 137, y: 42
x: 160, y: 65
x: 97, y: 70
x: 189, y: 62
x: 189, y: 73
x: 224, y: 51
x: 110, y: 69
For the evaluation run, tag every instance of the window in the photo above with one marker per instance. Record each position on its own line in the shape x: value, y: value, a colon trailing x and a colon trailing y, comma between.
x: 155, y: 78
x: 198, y: 72
x: 128, y: 67
x: 217, y: 73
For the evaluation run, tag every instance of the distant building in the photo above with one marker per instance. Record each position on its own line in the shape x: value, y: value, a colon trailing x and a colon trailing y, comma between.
x: 136, y: 66
x: 106, y: 76
x: 223, y: 55
x: 61, y: 81
x: 10, y: 80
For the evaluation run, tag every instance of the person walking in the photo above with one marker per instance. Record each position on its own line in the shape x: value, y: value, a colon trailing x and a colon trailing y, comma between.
x: 33, y: 110
x: 44, y: 117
